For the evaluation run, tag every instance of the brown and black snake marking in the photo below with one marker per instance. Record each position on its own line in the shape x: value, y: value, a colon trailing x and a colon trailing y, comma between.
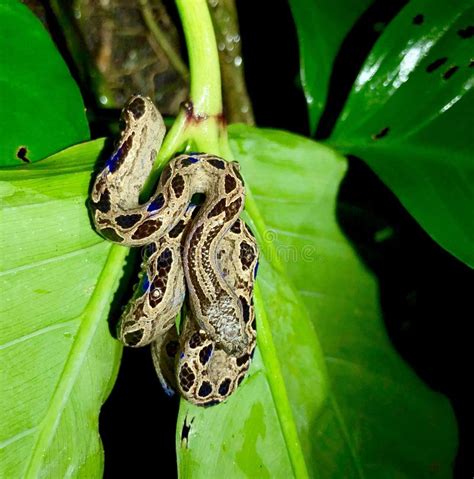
x: 206, y: 252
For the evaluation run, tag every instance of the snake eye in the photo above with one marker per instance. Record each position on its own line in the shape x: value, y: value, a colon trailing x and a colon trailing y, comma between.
x: 156, y: 293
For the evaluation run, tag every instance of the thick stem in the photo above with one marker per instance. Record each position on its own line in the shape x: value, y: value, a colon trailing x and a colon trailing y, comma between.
x: 205, y: 92
x: 200, y: 123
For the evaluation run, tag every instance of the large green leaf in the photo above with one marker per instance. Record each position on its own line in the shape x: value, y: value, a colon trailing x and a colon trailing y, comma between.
x: 41, y: 109
x: 321, y: 27
x: 57, y: 355
x: 327, y: 396
x: 409, y: 116
x: 356, y: 411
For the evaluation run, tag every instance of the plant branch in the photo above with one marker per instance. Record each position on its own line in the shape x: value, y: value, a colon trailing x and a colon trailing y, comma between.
x: 205, y: 88
x: 172, y: 55
x: 199, y: 124
x: 237, y: 105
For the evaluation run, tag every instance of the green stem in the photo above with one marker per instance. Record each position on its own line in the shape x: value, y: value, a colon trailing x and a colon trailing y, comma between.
x: 203, y: 57
x: 202, y: 128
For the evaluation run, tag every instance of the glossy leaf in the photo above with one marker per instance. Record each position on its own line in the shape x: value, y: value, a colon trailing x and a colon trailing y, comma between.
x: 41, y: 109
x: 409, y: 116
x: 321, y: 27
x: 58, y: 357
x: 298, y: 414
x: 324, y: 369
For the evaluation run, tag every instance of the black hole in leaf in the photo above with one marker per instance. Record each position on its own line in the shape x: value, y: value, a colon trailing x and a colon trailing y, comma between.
x: 381, y: 133
x: 418, y: 19
x: 436, y: 64
x: 186, y: 429
x: 21, y: 154
x: 467, y: 32
x: 471, y: 64
x: 450, y: 72
x: 349, y: 60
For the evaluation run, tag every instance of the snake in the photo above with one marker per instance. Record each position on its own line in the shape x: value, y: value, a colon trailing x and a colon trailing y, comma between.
x: 198, y: 255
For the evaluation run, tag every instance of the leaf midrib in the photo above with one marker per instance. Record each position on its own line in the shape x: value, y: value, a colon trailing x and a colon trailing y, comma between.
x: 279, y: 393
x: 92, y: 315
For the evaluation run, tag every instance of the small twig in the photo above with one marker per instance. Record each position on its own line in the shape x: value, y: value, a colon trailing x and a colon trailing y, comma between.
x: 237, y: 104
x: 162, y: 40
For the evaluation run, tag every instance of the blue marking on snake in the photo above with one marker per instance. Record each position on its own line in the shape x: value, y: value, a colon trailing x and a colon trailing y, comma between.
x: 111, y: 163
x: 167, y: 389
x: 145, y: 284
x: 156, y: 204
x: 255, y: 270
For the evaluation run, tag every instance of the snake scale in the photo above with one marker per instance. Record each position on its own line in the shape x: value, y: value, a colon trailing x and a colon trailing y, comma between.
x: 202, y: 255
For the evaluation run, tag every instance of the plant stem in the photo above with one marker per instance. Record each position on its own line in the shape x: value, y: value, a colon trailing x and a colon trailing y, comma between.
x: 203, y: 57
x: 237, y: 104
x: 201, y: 126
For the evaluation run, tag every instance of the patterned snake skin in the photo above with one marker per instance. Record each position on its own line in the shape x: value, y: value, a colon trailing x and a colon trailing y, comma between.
x: 203, y: 253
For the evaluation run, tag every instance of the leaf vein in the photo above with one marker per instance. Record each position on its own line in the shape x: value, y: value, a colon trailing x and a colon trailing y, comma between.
x: 38, y: 332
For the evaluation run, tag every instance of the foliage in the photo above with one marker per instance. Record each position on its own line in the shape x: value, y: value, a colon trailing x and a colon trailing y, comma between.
x: 41, y: 108
x: 327, y: 396
x: 409, y: 112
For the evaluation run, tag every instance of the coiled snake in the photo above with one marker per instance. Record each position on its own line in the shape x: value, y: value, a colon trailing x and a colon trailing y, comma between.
x: 203, y: 250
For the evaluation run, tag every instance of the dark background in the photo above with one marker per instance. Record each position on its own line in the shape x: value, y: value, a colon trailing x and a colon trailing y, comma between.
x: 425, y: 292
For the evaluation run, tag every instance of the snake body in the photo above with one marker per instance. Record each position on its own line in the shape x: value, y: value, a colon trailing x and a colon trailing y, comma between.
x: 205, y: 251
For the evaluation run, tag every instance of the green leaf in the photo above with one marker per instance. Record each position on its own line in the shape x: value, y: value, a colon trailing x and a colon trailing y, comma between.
x: 41, y: 108
x: 57, y: 281
x: 327, y: 396
x: 409, y: 116
x: 321, y: 27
